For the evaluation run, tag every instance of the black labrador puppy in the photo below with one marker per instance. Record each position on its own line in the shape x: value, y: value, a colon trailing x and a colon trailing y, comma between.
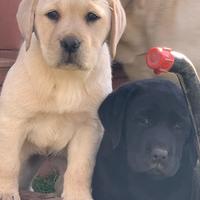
x: 148, y: 149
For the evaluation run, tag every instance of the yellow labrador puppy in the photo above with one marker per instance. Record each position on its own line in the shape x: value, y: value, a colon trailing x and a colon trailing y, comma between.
x: 51, y: 94
x: 171, y: 23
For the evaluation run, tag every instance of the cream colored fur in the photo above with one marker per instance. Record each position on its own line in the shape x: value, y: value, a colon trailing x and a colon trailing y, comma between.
x: 170, y: 23
x: 50, y: 107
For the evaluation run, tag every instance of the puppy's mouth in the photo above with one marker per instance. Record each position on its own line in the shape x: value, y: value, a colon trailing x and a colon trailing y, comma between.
x: 157, y: 171
x: 70, y: 61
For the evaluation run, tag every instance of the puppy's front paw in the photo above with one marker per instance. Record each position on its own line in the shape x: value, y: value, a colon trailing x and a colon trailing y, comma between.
x: 9, y: 196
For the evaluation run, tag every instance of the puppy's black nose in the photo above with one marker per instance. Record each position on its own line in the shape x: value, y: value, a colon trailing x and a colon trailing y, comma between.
x: 70, y: 44
x: 159, y: 154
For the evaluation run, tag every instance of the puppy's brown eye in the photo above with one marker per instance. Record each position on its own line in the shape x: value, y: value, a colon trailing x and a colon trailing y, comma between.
x: 92, y: 17
x: 178, y: 126
x: 143, y: 121
x: 53, y: 15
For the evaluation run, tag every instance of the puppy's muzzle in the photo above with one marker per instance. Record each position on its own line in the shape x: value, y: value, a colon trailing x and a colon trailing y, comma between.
x: 70, y: 44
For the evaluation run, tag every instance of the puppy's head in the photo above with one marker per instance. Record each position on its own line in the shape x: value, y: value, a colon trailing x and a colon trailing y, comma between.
x: 71, y: 32
x: 152, y: 119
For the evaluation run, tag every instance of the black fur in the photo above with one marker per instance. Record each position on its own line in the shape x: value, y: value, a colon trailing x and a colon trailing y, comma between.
x: 148, y: 150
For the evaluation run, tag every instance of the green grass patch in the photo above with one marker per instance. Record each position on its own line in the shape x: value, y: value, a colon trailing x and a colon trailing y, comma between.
x: 45, y: 184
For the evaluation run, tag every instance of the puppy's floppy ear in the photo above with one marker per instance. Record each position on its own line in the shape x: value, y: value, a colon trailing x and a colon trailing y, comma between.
x: 118, y: 23
x: 112, y: 113
x: 25, y: 19
x: 190, y: 150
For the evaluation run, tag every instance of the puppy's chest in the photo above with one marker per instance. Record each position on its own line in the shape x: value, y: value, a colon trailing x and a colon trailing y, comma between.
x: 51, y: 132
x: 70, y: 98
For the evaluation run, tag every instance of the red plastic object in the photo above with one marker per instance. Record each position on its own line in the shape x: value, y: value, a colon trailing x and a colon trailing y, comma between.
x: 160, y: 59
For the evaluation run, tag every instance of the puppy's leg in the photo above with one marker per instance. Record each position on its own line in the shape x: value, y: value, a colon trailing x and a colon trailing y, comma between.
x: 28, y: 171
x: 138, y: 70
x: 80, y: 163
x: 59, y: 163
x: 12, y: 137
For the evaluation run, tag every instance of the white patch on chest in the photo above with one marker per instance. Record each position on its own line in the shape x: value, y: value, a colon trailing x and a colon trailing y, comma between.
x: 51, y: 132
